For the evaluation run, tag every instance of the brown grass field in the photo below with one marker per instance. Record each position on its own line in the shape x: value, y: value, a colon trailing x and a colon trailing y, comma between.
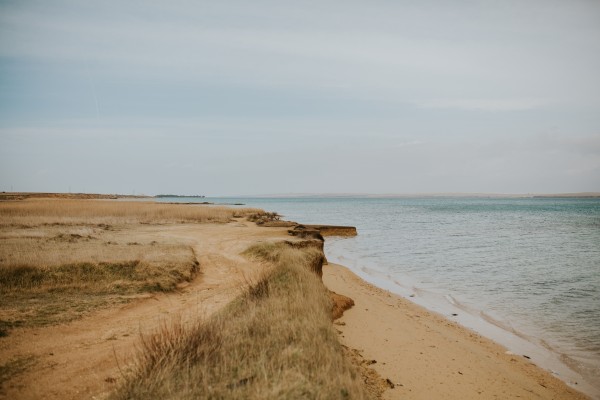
x: 39, y: 212
x: 59, y: 259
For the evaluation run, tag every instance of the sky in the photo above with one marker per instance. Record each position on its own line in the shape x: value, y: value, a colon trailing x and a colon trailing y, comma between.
x: 273, y: 97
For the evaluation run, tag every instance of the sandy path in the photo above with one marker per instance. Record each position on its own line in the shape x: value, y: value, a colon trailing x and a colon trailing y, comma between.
x: 83, y: 359
x: 430, y: 357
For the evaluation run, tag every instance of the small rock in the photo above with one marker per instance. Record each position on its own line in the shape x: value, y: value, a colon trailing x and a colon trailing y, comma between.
x: 527, y: 357
x: 110, y: 335
x: 454, y: 315
x: 390, y: 383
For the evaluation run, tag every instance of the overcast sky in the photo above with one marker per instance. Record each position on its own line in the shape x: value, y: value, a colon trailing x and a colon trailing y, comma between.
x: 257, y: 97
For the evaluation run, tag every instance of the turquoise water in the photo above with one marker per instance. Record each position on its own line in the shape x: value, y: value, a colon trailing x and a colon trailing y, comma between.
x: 528, y: 266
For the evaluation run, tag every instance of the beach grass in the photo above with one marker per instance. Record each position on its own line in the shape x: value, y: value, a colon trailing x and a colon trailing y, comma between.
x: 275, y: 341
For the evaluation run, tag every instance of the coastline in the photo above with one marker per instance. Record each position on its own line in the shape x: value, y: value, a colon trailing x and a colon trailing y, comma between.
x: 421, y: 353
x: 426, y: 355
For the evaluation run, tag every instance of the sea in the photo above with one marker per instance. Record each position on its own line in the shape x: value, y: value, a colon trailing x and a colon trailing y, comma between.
x: 524, y: 272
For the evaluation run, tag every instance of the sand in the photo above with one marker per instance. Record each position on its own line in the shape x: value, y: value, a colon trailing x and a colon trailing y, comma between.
x: 427, y: 356
x: 423, y: 354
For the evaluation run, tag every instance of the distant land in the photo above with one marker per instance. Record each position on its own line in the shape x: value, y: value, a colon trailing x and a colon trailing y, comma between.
x: 571, y: 195
x: 90, y: 196
x: 421, y: 195
x: 195, y: 196
x: 31, y: 195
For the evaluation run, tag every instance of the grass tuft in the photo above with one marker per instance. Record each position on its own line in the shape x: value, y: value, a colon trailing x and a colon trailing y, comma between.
x: 261, y: 218
x: 275, y: 341
x: 14, y: 367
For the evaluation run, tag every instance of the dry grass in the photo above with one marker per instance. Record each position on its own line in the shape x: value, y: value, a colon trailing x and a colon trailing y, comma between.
x: 14, y: 367
x: 276, y: 341
x: 62, y: 258
x: 58, y: 274
x: 97, y: 212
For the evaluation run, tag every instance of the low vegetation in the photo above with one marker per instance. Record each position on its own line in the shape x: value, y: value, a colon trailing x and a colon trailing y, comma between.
x: 275, y: 341
x: 261, y: 218
x: 62, y: 258
x: 106, y: 212
x: 14, y: 367
x: 49, y: 281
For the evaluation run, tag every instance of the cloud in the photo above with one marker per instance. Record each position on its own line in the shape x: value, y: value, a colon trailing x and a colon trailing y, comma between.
x: 518, y: 104
x: 395, y: 53
x: 408, y: 143
x: 393, y: 93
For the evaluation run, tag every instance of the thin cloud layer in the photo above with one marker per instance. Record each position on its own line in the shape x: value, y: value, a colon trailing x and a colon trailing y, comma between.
x: 386, y: 97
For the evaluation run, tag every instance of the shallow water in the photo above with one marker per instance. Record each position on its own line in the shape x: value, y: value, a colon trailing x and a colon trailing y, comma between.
x: 527, y: 266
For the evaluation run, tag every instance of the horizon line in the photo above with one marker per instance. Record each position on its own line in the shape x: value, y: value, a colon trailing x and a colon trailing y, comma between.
x: 341, y: 194
x: 419, y: 194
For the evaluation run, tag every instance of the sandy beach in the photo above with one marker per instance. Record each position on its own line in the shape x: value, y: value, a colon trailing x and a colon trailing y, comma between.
x: 427, y: 356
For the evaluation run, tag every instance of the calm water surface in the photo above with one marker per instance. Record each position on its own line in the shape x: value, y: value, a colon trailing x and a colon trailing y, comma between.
x: 531, y: 266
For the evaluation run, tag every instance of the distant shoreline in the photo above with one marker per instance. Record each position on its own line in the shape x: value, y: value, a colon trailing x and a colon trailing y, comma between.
x: 425, y: 195
x: 7, y: 196
x: 178, y: 196
x: 80, y: 196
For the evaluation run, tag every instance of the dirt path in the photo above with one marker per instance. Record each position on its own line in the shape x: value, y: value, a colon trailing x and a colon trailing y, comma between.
x: 84, y: 359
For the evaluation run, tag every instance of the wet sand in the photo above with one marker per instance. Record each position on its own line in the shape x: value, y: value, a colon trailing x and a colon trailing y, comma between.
x: 427, y: 356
